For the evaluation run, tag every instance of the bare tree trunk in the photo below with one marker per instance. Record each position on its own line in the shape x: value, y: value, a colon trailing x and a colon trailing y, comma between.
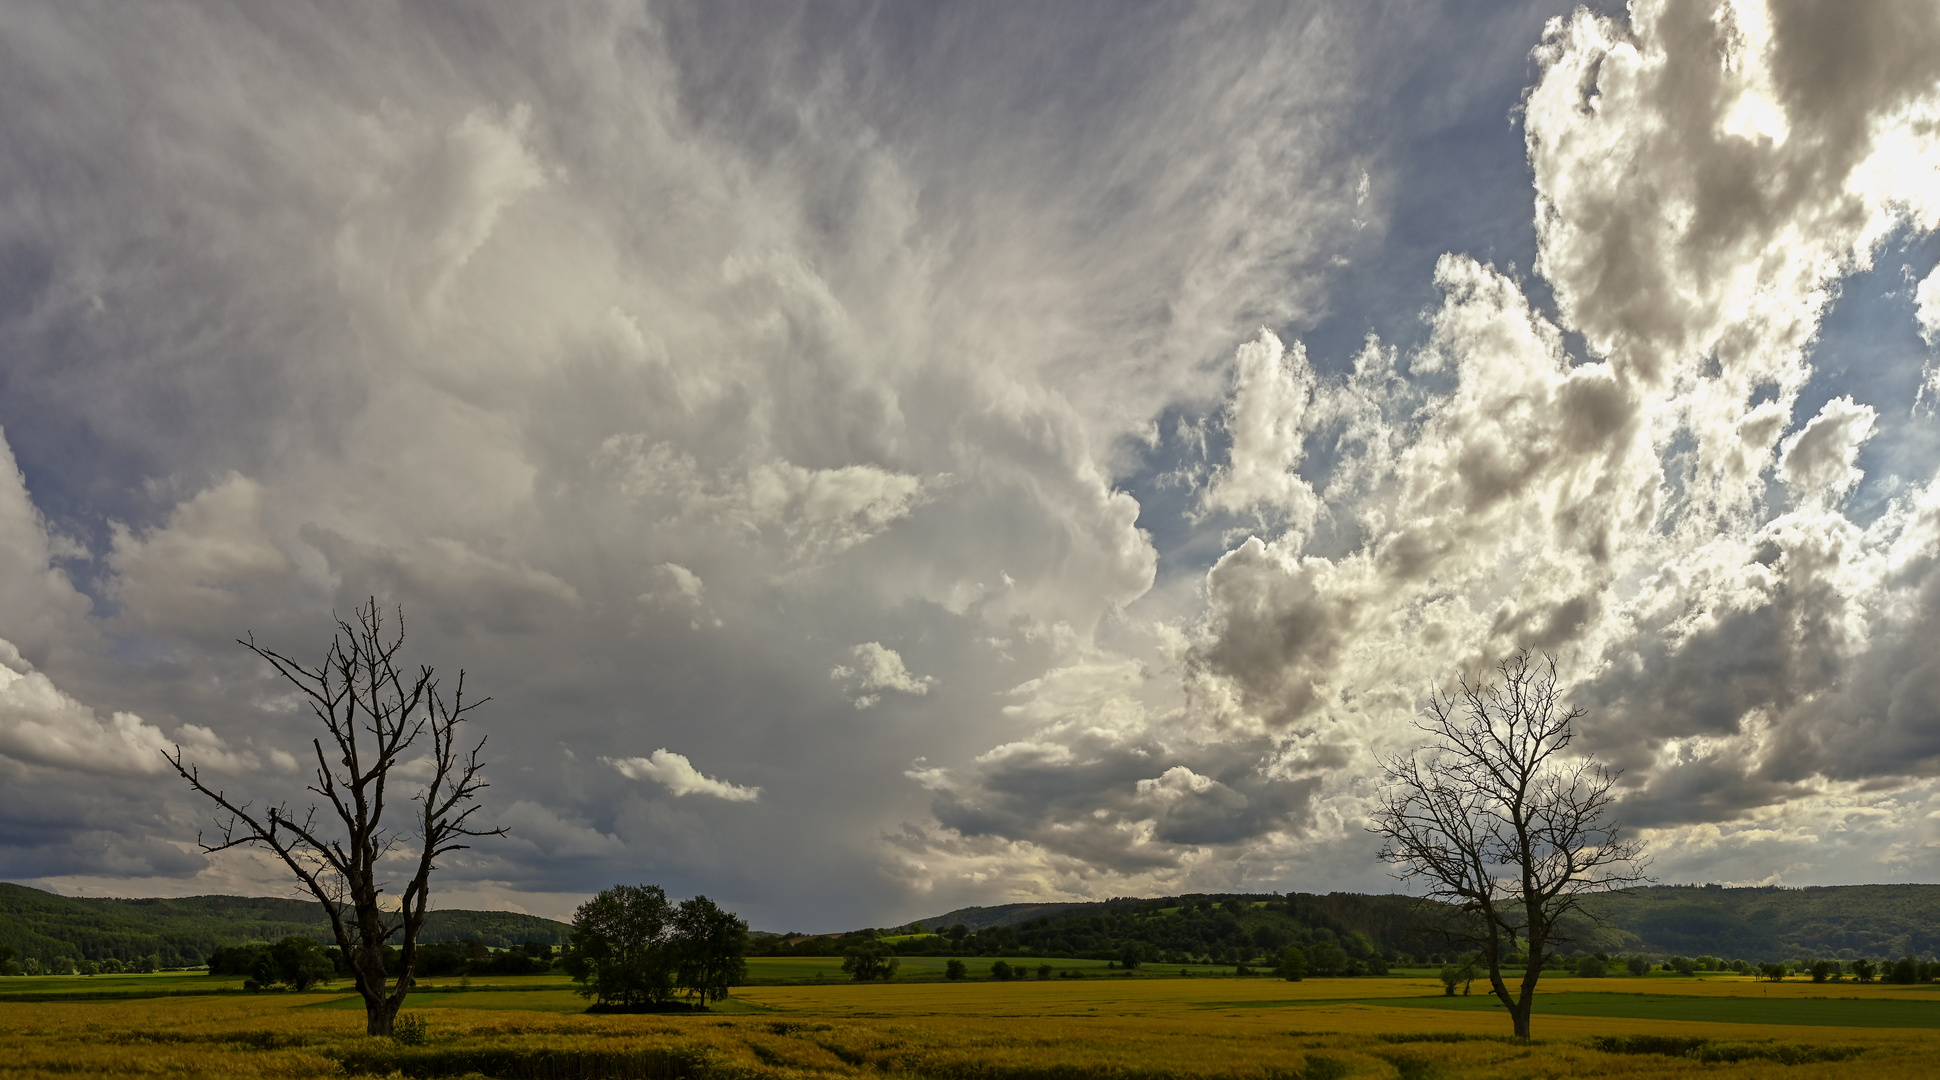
x: 1499, y: 825
x: 374, y: 713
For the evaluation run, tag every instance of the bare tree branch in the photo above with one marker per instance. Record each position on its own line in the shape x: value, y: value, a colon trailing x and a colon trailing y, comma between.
x: 373, y: 713
x: 1493, y: 819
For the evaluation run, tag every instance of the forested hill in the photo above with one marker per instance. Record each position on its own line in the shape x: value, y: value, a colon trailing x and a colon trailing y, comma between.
x: 186, y: 930
x: 1842, y: 922
x: 1833, y: 922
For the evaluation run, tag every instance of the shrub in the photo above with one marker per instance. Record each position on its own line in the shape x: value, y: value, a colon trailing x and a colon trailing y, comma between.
x: 1000, y: 971
x: 408, y: 1030
x: 1637, y: 965
x: 1589, y: 967
x: 955, y: 970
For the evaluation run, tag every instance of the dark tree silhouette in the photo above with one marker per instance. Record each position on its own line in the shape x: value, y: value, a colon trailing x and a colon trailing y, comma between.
x: 374, y: 711
x: 1493, y: 819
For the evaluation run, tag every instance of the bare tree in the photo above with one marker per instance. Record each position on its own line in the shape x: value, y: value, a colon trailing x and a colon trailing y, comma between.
x: 1494, y: 820
x: 374, y: 712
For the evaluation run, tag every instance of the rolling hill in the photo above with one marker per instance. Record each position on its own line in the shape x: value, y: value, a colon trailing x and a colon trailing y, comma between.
x: 184, y: 930
x: 1770, y: 923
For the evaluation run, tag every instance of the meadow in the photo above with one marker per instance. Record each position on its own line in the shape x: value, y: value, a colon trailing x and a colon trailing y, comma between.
x: 1114, y: 1028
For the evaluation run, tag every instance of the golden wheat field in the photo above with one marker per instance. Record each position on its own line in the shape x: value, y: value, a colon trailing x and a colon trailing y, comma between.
x: 1115, y: 1029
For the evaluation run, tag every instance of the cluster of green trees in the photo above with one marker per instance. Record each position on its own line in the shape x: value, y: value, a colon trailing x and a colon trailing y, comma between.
x: 298, y: 961
x: 634, y: 949
x: 12, y: 963
x: 1906, y: 970
x: 301, y: 962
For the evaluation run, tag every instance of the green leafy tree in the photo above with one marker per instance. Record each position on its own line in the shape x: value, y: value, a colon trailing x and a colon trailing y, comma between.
x: 1637, y: 965
x: 300, y: 962
x: 620, y: 953
x: 711, y: 945
x: 1293, y: 963
x: 1864, y: 970
x: 1905, y: 970
x: 1590, y: 967
x: 956, y: 970
x: 1000, y: 971
x: 870, y: 961
x: 1327, y: 959
x: 1132, y: 955
x: 9, y: 965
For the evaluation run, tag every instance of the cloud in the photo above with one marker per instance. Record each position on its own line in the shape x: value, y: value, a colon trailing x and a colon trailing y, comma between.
x: 803, y: 514
x: 878, y: 668
x: 1817, y: 462
x: 200, y: 571
x: 40, y: 724
x: 678, y: 775
x: 1267, y: 421
x: 1926, y: 311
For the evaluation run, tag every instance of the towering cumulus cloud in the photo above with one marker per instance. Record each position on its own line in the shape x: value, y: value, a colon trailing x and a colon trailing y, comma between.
x: 1649, y: 481
x: 1705, y: 178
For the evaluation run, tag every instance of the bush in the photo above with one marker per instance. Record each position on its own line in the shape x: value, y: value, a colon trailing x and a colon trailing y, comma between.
x: 1589, y: 967
x: 1043, y: 971
x: 408, y: 1030
x: 1637, y: 965
x: 955, y: 970
x: 1000, y: 971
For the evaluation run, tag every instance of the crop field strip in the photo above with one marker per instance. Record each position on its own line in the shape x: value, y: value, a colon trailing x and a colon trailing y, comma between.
x: 1114, y: 1029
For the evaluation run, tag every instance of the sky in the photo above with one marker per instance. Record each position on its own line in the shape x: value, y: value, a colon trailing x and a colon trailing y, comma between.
x: 880, y: 458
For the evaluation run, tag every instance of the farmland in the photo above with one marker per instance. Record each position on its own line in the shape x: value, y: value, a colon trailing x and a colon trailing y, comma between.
x: 1116, y: 1027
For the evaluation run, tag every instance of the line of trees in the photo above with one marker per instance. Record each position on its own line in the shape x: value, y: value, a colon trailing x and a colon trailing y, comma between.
x: 634, y: 949
x: 1372, y: 931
